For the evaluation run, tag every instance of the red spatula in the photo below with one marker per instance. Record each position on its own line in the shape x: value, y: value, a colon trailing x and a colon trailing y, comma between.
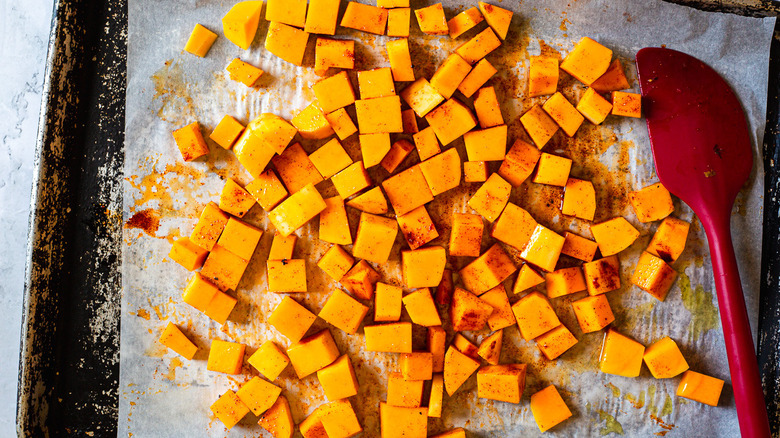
x: 703, y: 155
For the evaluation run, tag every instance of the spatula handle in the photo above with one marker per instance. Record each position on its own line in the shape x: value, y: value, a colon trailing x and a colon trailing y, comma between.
x: 745, y: 378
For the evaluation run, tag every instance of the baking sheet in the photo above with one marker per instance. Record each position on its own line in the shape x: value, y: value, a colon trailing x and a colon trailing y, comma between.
x: 163, y: 395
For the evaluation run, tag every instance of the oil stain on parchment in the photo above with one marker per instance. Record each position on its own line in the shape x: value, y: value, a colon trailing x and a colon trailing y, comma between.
x: 704, y: 313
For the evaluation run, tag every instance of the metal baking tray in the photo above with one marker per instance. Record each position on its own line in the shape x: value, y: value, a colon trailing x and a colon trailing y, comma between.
x: 69, y: 370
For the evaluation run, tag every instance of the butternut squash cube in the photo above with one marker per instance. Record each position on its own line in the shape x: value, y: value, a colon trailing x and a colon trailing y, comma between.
x: 282, y: 247
x: 436, y: 340
x: 498, y: 18
x: 588, y: 61
x: 579, y: 247
x: 417, y: 227
x: 603, y: 275
x: 399, y: 21
x: 626, y: 104
x: 376, y: 83
x: 243, y: 72
x: 539, y: 126
x: 253, y: 153
x: 526, y: 279
x: 432, y: 20
x: 360, y: 280
x: 652, y: 203
x: 227, y: 132
x: 457, y: 369
x: 258, y: 395
x: 267, y: 190
x: 287, y: 275
x: 286, y: 42
x: 403, y: 392
x: 478, y: 47
x: 311, y: 426
x: 224, y: 268
x: 407, y: 190
x: 400, y: 60
x: 564, y: 113
x: 465, y: 346
x: 225, y: 357
x: 351, y: 180
x: 426, y: 143
x: 187, y: 254
x: 322, y: 17
x: 400, y: 422
x: 389, y: 338
x: 342, y: 123
x: 555, y: 342
x: 463, y: 22
x: 501, y: 382
x: 296, y: 169
x: 594, y: 107
x: 579, y: 199
x: 269, y: 360
x: 291, y: 319
x: 444, y: 289
x: 487, y: 108
x: 491, y: 198
x: 593, y: 313
x: 490, y: 347
x: 450, y: 74
x: 375, y: 238
x: 277, y: 420
x: 542, y: 76
x: 334, y: 224
x: 330, y: 158
x: 240, y: 238
x: 373, y: 148
x: 466, y: 235
x: 190, y: 142
x: 367, y: 18
x: 565, y: 282
x: 398, y: 153
x: 220, y: 306
x: 514, y: 227
x: 292, y: 12
x: 458, y: 432
x: 340, y: 421
x: 620, y: 355
x: 548, y: 408
x: 334, y: 92
x: 543, y: 248
x: 373, y: 201
x: 416, y: 366
x: 468, y: 312
x: 442, y: 172
x: 478, y: 76
x: 487, y: 144
x: 699, y: 387
x: 422, y: 97
x: 421, y: 308
x: 200, y: 41
x: 451, y: 120
x: 234, y: 199
x: 614, y: 235
x: 313, y: 353
x: 436, y: 397
x: 553, y: 170
x: 199, y: 292
x: 229, y: 409
x: 488, y: 270
x: 668, y: 242
x: 381, y: 114
x: 535, y: 316
x: 614, y: 79
x: 343, y: 312
x: 173, y: 338
x: 502, y: 315
x: 312, y: 124
x: 654, y: 276
x: 409, y: 119
x: 336, y: 262
x: 295, y: 211
x: 519, y: 162
x: 266, y: 131
x: 475, y: 171
x: 664, y: 359
x: 423, y: 267
x: 240, y: 23
x: 388, y: 303
x: 338, y: 379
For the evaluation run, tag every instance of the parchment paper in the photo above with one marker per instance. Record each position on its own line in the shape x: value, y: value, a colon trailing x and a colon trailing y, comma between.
x: 162, y: 394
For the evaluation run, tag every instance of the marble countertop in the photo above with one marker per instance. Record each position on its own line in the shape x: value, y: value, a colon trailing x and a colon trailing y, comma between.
x: 24, y: 35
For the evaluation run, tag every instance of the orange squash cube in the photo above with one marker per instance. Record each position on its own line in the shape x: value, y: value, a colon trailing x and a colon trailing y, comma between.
x: 173, y: 338
x: 399, y: 21
x: 442, y: 172
x: 199, y: 292
x: 652, y: 203
x: 490, y: 347
x: 432, y: 20
x: 373, y: 201
x: 363, y: 17
x: 555, y: 342
x: 312, y: 124
x: 620, y: 355
x: 267, y: 190
x: 468, y: 312
x: 421, y: 308
x: 450, y: 74
x: 375, y: 238
x: 664, y: 359
x: 379, y: 115
x: 475, y: 171
x: 423, y: 267
x: 209, y: 227
x: 553, y: 170
x: 277, y: 420
x: 287, y: 276
x: 565, y: 281
x: 564, y: 113
x: 227, y: 132
x: 240, y: 23
x: 187, y: 254
x: 421, y: 97
x: 400, y: 422
x: 297, y: 210
x: 463, y: 22
x: 387, y: 303
x: 451, y: 120
x: 514, y: 227
x: 200, y: 41
x: 603, y: 275
x: 501, y: 382
x: 593, y: 313
x: 668, y: 242
x: 343, y: 312
x: 548, y: 408
x: 389, y: 338
x: 338, y: 379
x: 502, y: 315
x: 296, y: 169
x: 614, y: 79
x: 436, y: 397
x: 313, y: 353
x: 334, y: 92
x: 334, y: 224
x: 286, y: 42
x: 487, y: 108
x: 376, y: 83
x: 542, y: 76
x: 479, y: 75
x: 526, y: 279
x: 465, y: 346
x: 322, y: 17
x: 417, y: 227
x: 240, y: 238
x: 224, y: 268
x: 498, y: 18
x: 351, y: 180
x: 614, y: 235
x: 487, y: 144
x: 579, y: 247
x: 457, y: 369
x: 336, y: 262
x: 292, y: 12
x: 220, y: 306
x: 258, y: 395
x: 543, y: 248
x: 594, y: 107
x: 398, y: 153
x: 282, y: 247
x: 579, y: 199
x: 491, y: 198
x: 626, y: 104
x: 360, y: 280
x: 479, y: 46
x: 654, y: 276
x: 269, y: 360
x: 409, y: 120
x: 701, y: 388
x: 488, y: 270
x: 539, y: 126
x: 243, y: 72
x: 400, y: 60
x: 311, y: 426
x: 466, y: 235
x: 416, y: 366
x: 519, y: 162
x: 330, y: 158
x: 225, y: 357
x: 342, y: 123
x: 190, y: 142
x: 234, y: 199
x: 535, y: 316
x: 407, y: 190
x: 588, y: 61
x: 291, y: 319
x: 436, y: 340
x: 229, y: 409
x: 340, y: 421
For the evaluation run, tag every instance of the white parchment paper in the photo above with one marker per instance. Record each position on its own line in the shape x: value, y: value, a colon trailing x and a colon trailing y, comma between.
x: 162, y: 394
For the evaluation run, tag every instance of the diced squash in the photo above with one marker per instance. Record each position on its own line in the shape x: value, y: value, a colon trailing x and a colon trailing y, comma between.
x: 654, y: 276
x: 229, y: 409
x: 487, y: 108
x: 387, y: 303
x: 399, y: 422
x: 291, y: 319
x: 376, y: 83
x: 443, y: 294
x: 343, y: 312
x: 488, y: 270
x: 375, y: 238
x: 416, y: 366
x: 555, y: 342
x: 398, y: 152
x: 322, y: 17
x: 579, y: 199
x: 498, y: 18
x: 220, y: 306
x: 594, y: 107
x: 243, y: 72
x: 363, y: 17
x: 548, y: 408
x: 588, y: 61
x: 409, y: 119
x: 614, y: 235
x: 543, y: 248
x: 491, y: 198
x: 442, y: 172
x: 466, y: 235
x: 336, y: 262
x: 407, y: 190
x: 478, y: 76
x: 421, y: 308
x: 225, y: 357
x: 399, y: 21
x: 234, y: 199
x: 490, y: 347
x: 312, y: 124
x: 602, y: 275
x: 402, y: 392
x: 340, y: 420
x: 553, y: 170
x: 465, y: 346
x: 436, y: 397
x: 342, y: 123
x: 514, y: 227
x: 240, y: 238
x: 389, y: 338
x: 373, y: 201
x: 338, y: 379
x: 334, y: 92
x: 173, y: 338
x: 292, y: 12
x: 626, y: 104
x: 463, y: 22
x: 277, y: 420
x: 240, y: 23
x: 426, y: 143
x: 668, y: 242
x: 269, y: 360
x: 282, y: 247
x: 313, y: 353
x: 451, y: 120
x: 664, y: 359
x: 468, y: 312
x: 423, y: 267
x: 373, y: 148
x: 519, y: 162
x: 190, y: 142
x: 432, y: 20
x: 526, y: 279
x: 400, y: 60
x: 360, y: 280
x: 593, y: 313
x: 381, y: 114
x: 501, y: 382
x: 579, y: 247
x: 614, y: 79
x: 620, y: 355
x: 268, y: 131
x: 286, y: 42
x: 417, y: 228
x: 502, y: 315
x: 652, y: 203
x: 296, y: 169
x: 295, y: 211
x: 227, y: 132
x: 422, y: 97
x: 478, y: 47
x: 311, y: 426
x: 267, y: 190
x: 199, y: 292
x: 458, y: 432
x: 187, y: 254
x: 564, y: 113
x: 475, y: 171
x: 542, y: 76
x: 486, y: 144
x: 701, y: 388
x: 200, y: 41
x: 450, y: 74
x: 224, y: 268
x: 258, y: 395
x: 351, y: 180
x: 330, y: 158
x: 565, y: 281
x: 457, y: 369
x: 539, y: 126
x: 535, y: 316
x: 436, y: 341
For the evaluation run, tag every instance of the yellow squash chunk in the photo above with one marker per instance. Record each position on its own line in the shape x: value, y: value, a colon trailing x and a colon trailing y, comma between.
x: 400, y: 60
x: 227, y: 132
x: 451, y: 120
x: 376, y: 83
x: 374, y: 148
x: 254, y: 152
x: 514, y: 227
x: 313, y: 353
x: 553, y: 170
x: 311, y: 426
x: 199, y: 292
x: 187, y: 254
x: 603, y: 275
x: 535, y: 316
x: 594, y: 107
x: 700, y: 387
x: 502, y: 315
x: 486, y: 144
x: 542, y: 76
x: 565, y: 281
x: 190, y: 142
x: 322, y: 17
x: 379, y: 115
x: 173, y: 338
x: 555, y: 342
x: 436, y: 397
x: 229, y: 409
x: 626, y: 104
x: 450, y: 74
x: 312, y: 124
x: 564, y: 113
x: 267, y: 190
x: 543, y: 248
x: 426, y: 143
x: 421, y: 308
x: 367, y: 18
x: 334, y: 92
x: 407, y: 190
x: 269, y: 360
x: 291, y: 319
x: 225, y: 357
x: 338, y: 379
x: 387, y: 303
x: 579, y: 247
x: 416, y: 366
x: 478, y: 47
x: 463, y: 22
x: 664, y: 359
x: 417, y: 227
x: 399, y: 422
x: 220, y: 306
x: 342, y: 123
x: 375, y: 238
x: 240, y: 238
x: 258, y: 395
x: 398, y: 153
x: 501, y: 382
x: 292, y: 12
x: 336, y: 262
x: 490, y: 347
x: 240, y: 23
x: 442, y: 172
x: 436, y: 340
x: 351, y: 180
x: 409, y: 120
x: 286, y: 42
x: 620, y: 355
x: 360, y: 280
x: 475, y: 171
x: 343, y: 312
x: 548, y: 408
x: 579, y: 199
x: 334, y: 224
x: 296, y: 169
x: 457, y: 369
x: 340, y: 421
x: 454, y: 433
x: 498, y: 18
x: 243, y: 72
x: 403, y: 392
x: 432, y: 20
x: 287, y: 275
x: 224, y: 268
x: 487, y: 108
x: 465, y: 346
x: 614, y: 235
x: 295, y: 211
x: 614, y: 79
x: 668, y: 242
x: 277, y: 420
x: 373, y: 201
x: 539, y: 126
x: 466, y: 235
x: 588, y: 61
x: 526, y: 279
x: 270, y: 131
x: 399, y: 21
x: 423, y: 267
x: 491, y: 198
x: 593, y: 313
x: 478, y: 76
x: 468, y: 312
x: 444, y: 289
x: 389, y: 338
x: 421, y: 97
x: 330, y: 158
x: 519, y: 162
x: 652, y: 203
x: 200, y: 41
x: 654, y: 276
x: 488, y: 270
x: 282, y: 247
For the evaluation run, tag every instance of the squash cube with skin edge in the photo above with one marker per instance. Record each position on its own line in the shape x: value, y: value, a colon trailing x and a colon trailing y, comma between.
x: 375, y: 238
x: 334, y: 92
x: 200, y: 41
x: 313, y: 353
x: 594, y: 107
x: 340, y: 421
x: 342, y: 123
x: 322, y: 17
x: 542, y: 76
x: 487, y: 108
x: 336, y: 262
x: 491, y: 198
x: 416, y: 366
x: 479, y: 75
x: 466, y: 235
x: 555, y: 342
x: 240, y: 23
x: 490, y: 347
x: 312, y: 124
x: 407, y: 190
x: 376, y: 83
x: 468, y: 312
x: 351, y: 180
x: 457, y: 369
x: 514, y: 227
x: 442, y: 172
x: 295, y: 211
x: 432, y: 20
x: 282, y: 247
x: 224, y: 268
x: 451, y: 120
x: 475, y: 171
x: 436, y: 341
x: 225, y: 357
x: 668, y: 242
x: 614, y: 79
x: 614, y: 235
x: 292, y: 12
x: 450, y: 74
x: 343, y: 312
x: 436, y: 397
x: 400, y: 60
x: 330, y: 158
x: 652, y: 203
x: 519, y: 162
x: 700, y: 387
x: 286, y: 42
x: 229, y: 409
x: 654, y: 276
x: 548, y: 408
x: 389, y: 338
x: 287, y: 276
x: 227, y: 132
x: 258, y: 395
x: 502, y: 382
x: 465, y: 346
x: 360, y: 280
x: 277, y: 420
x: 373, y: 201
x: 535, y: 316
x: 593, y: 313
x: 478, y: 47
x: 291, y: 319
x: 173, y: 338
x: 664, y: 359
x: 373, y: 148
x: 588, y: 61
x: 388, y: 303
x: 426, y: 143
x: 296, y: 169
x: 421, y: 308
x: 269, y: 360
x: 417, y: 227
x: 400, y: 422
x: 338, y: 379
x: 190, y: 142
x: 486, y: 144
x: 399, y: 21
x: 379, y: 115
x: 267, y: 190
x: 579, y: 247
x: 234, y: 199
x: 564, y: 113
x: 565, y: 281
x: 502, y: 315
x: 526, y: 279
x: 463, y: 22
x: 187, y: 254
x: 579, y: 199
x: 334, y: 223
x: 220, y: 307
x: 240, y: 238
x: 367, y: 18
x: 543, y: 248
x: 539, y: 126
x: 199, y: 292
x: 603, y: 275
x: 243, y: 72
x: 488, y: 270
x: 398, y: 153
x: 421, y: 97
x: 553, y: 170
x: 626, y: 104
x: 409, y: 120
x: 620, y: 355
